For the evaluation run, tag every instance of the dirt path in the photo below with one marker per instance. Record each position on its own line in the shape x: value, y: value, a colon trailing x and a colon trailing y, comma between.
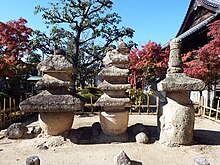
x: 61, y: 151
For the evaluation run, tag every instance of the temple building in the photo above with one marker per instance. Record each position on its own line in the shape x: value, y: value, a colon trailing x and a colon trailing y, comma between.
x: 193, y: 33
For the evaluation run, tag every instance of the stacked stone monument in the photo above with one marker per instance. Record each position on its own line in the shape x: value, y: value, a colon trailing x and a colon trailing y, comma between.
x: 55, y: 105
x: 177, y: 119
x: 115, y: 115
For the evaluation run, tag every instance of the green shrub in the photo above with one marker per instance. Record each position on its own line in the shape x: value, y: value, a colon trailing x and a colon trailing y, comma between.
x: 89, y: 92
x: 3, y: 95
x: 137, y: 96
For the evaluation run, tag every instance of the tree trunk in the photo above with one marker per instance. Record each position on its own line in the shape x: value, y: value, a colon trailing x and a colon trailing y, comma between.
x: 214, y: 102
x: 83, y: 84
x: 75, y: 58
x: 209, y: 96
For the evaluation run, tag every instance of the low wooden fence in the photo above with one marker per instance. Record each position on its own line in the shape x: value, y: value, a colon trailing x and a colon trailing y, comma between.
x: 9, y: 111
x: 210, y: 112
x: 151, y: 107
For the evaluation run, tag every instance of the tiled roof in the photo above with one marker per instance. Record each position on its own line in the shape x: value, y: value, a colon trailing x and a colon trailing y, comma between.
x: 194, y: 29
x: 212, y: 3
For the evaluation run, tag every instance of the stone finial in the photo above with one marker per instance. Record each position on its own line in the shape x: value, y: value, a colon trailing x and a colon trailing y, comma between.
x: 175, y: 43
x: 121, y: 44
x: 122, y: 47
x: 176, y: 80
x: 60, y: 52
x: 175, y: 61
x: 56, y: 62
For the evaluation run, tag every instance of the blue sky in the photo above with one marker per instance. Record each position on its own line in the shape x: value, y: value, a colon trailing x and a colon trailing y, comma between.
x: 155, y: 20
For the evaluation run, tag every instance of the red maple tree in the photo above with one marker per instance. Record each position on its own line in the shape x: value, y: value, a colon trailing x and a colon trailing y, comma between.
x: 14, y: 44
x: 148, y: 63
x: 204, y: 63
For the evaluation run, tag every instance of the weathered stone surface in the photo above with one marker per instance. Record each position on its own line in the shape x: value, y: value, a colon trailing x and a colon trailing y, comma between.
x: 122, y: 159
x: 122, y: 47
x: 121, y: 44
x: 177, y: 123
x: 124, y: 51
x: 175, y: 61
x: 33, y: 160
x: 48, y: 81
x: 114, y: 108
x: 114, y: 123
x: 117, y: 80
x: 55, y: 123
x: 114, y: 101
x: 112, y: 71
x: 180, y: 82
x: 201, y: 161
x: 107, y: 101
x: 105, y: 85
x: 110, y: 89
x: 177, y: 119
x: 45, y: 102
x: 118, y: 94
x: 115, y: 58
x: 16, y: 131
x: 55, y: 104
x: 142, y: 138
x: 37, y: 130
x: 55, y: 63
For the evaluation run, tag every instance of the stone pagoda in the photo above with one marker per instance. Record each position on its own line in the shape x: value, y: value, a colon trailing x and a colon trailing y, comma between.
x: 55, y: 105
x: 114, y: 115
x: 178, y: 115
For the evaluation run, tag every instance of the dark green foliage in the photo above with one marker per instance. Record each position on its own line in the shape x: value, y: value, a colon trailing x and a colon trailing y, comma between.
x: 84, y: 28
x: 89, y: 92
x: 3, y: 95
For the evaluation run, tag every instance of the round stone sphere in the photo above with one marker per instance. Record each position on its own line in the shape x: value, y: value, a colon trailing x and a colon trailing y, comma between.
x: 142, y: 138
x: 54, y: 123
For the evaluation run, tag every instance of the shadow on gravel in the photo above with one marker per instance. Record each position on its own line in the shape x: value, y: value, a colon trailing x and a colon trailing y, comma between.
x: 94, y: 135
x: 135, y: 163
x: 206, y: 137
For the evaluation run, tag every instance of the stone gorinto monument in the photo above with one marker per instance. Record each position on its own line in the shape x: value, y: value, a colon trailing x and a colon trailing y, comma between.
x: 114, y: 117
x: 55, y: 105
x: 177, y: 119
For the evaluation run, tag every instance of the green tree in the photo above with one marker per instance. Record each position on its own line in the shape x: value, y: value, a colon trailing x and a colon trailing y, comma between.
x: 87, y: 26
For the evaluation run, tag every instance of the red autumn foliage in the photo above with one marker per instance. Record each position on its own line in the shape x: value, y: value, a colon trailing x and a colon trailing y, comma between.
x: 150, y: 62
x: 204, y: 63
x: 14, y: 44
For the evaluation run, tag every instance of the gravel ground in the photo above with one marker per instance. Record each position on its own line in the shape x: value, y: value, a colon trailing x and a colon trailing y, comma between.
x: 62, y: 151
